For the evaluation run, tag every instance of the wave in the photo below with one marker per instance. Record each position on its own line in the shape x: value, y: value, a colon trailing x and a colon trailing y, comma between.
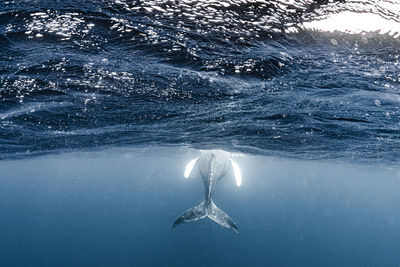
x: 272, y: 77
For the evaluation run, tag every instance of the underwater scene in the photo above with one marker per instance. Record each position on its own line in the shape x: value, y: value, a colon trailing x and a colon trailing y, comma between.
x: 199, y: 133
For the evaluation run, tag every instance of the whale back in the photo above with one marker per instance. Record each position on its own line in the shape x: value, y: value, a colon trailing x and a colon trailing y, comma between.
x: 213, y: 164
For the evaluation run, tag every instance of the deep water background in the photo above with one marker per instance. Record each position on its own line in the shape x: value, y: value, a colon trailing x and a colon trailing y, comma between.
x: 102, y: 103
x: 116, y: 208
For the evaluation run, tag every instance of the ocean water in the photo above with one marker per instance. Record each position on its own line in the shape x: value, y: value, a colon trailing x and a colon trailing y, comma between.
x: 117, y: 207
x: 103, y: 103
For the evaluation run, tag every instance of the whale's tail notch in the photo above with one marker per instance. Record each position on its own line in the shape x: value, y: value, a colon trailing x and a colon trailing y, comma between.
x: 202, y: 211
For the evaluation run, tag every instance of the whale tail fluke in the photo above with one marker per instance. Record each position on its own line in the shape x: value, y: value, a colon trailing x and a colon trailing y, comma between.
x: 191, y: 215
x: 211, y: 211
x: 221, y: 218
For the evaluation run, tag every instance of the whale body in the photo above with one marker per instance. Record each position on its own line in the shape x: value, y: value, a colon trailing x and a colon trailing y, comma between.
x: 212, y: 166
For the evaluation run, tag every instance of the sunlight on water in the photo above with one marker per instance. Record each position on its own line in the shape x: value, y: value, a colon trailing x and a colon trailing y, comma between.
x: 252, y: 76
x: 356, y: 23
x: 64, y: 25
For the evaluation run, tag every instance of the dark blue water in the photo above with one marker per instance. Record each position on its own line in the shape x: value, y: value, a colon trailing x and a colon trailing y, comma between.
x: 244, y: 76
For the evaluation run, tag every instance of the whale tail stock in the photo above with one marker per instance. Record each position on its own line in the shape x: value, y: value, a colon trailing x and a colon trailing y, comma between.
x: 202, y: 211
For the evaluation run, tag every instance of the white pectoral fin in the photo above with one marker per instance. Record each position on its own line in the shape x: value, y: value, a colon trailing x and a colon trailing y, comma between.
x: 189, y: 167
x: 237, y: 173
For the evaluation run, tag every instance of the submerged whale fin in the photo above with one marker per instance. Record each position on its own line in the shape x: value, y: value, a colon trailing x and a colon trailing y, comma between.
x: 211, y: 211
x: 191, y: 215
x: 221, y: 218
x: 189, y: 167
x: 236, y: 172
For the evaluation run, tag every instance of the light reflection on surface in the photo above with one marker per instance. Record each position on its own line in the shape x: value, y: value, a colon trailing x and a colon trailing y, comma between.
x: 355, y: 23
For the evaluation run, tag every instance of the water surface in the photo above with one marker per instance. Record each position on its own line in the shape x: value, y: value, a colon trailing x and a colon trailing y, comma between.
x: 311, y: 79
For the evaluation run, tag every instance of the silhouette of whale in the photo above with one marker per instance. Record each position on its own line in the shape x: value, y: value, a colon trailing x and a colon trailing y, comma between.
x: 212, y: 166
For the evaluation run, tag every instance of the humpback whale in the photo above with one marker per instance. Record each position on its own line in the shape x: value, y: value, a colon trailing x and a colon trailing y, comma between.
x: 212, y: 166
